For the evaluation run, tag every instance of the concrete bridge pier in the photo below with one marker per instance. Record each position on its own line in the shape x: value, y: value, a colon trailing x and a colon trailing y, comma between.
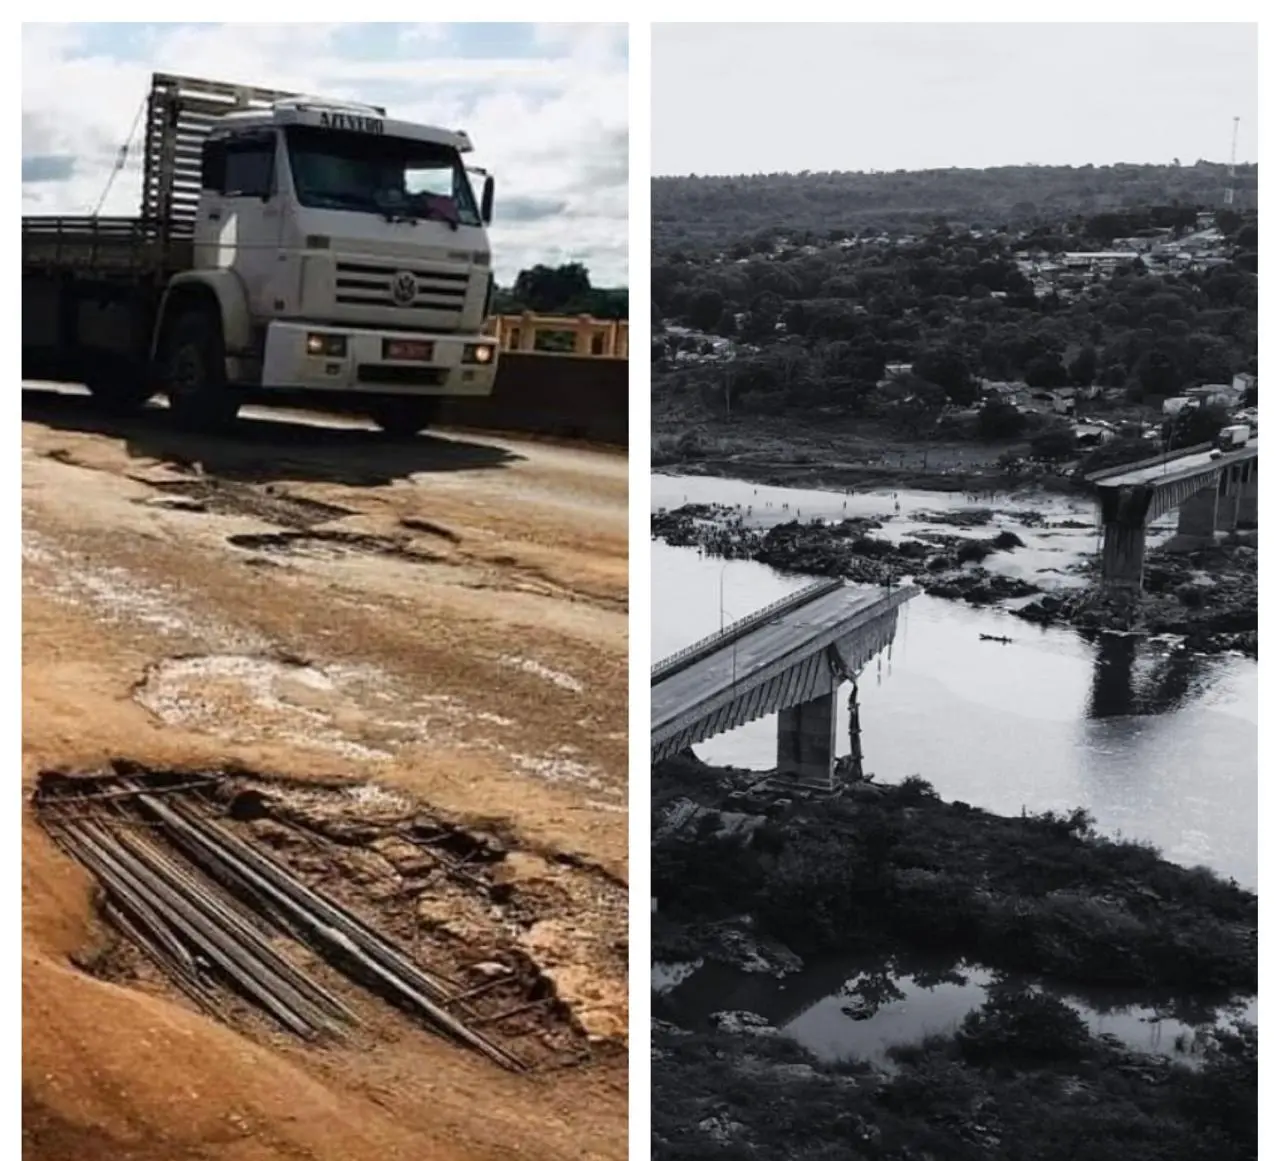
x: 1124, y: 553
x: 1198, y: 520
x: 1124, y: 537
x: 1247, y: 513
x: 807, y: 741
x: 1238, y: 481
x: 1228, y: 499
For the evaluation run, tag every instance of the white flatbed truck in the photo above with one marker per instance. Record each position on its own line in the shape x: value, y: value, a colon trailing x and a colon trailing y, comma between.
x: 286, y: 245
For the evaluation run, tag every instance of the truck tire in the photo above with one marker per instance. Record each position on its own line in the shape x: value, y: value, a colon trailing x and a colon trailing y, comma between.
x: 404, y: 416
x: 194, y: 371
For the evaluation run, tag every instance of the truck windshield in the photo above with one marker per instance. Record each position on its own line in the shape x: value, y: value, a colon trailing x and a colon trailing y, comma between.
x: 394, y: 176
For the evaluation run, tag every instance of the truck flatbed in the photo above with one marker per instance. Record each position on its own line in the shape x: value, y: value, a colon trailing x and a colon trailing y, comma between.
x: 102, y: 247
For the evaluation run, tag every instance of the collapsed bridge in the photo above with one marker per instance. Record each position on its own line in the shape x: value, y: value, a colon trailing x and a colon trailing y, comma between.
x: 789, y: 658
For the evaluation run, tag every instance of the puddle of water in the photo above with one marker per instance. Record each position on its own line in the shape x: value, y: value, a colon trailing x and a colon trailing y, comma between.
x: 850, y: 1007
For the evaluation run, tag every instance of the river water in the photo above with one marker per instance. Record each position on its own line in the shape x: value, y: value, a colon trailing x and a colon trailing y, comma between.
x: 1156, y: 744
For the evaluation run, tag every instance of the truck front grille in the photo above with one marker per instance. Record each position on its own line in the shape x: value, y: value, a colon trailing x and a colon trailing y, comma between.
x: 370, y: 284
x: 401, y: 376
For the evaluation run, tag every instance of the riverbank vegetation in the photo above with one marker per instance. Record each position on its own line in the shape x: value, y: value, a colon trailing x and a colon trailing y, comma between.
x: 896, y: 866
x: 1021, y: 1080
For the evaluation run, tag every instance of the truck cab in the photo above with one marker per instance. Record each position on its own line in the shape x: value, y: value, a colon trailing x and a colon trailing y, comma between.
x: 359, y: 245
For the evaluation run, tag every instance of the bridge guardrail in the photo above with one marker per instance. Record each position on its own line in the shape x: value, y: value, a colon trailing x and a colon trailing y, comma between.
x: 1102, y: 476
x: 686, y: 656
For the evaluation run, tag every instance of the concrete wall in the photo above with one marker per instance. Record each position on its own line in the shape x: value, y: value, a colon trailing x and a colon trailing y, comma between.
x: 570, y: 396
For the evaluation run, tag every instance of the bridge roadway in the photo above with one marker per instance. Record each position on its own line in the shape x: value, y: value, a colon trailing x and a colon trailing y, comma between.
x: 1172, y: 479
x: 793, y: 652
x: 1193, y: 462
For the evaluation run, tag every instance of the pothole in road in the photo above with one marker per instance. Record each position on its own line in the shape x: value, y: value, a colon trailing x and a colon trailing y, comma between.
x: 226, y: 498
x: 332, y: 545
x: 337, y: 911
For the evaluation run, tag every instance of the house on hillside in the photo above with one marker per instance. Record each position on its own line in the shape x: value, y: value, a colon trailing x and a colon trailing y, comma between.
x: 1093, y: 434
x: 1100, y: 261
x: 1061, y: 401
x: 1215, y: 394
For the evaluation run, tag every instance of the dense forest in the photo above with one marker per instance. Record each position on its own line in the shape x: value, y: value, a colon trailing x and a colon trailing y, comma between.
x: 778, y: 317
x: 693, y: 211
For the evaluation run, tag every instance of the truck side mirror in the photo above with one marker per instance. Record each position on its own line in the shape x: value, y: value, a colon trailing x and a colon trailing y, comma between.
x: 486, y: 200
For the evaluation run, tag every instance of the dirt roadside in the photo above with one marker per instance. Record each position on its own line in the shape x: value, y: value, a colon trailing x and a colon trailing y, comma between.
x: 838, y: 453
x: 442, y: 620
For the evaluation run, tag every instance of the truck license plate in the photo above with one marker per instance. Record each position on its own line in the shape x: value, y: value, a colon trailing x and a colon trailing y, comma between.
x: 408, y: 350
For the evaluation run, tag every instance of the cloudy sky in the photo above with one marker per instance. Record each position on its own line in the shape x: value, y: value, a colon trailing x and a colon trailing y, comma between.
x: 546, y: 106
x: 744, y: 98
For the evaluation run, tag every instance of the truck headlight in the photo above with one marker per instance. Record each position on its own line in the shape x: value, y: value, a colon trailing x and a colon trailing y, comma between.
x: 477, y: 353
x: 330, y: 346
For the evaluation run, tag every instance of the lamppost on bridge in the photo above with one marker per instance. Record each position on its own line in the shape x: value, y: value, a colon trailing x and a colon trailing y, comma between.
x: 733, y: 646
x: 723, y: 567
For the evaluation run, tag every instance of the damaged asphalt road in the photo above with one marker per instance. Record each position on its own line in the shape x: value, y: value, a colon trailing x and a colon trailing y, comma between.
x: 441, y: 619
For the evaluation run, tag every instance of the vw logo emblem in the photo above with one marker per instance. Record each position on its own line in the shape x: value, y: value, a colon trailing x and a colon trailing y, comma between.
x: 404, y: 288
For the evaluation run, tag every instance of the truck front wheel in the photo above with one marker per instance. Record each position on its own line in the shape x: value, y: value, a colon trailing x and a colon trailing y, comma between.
x: 195, y: 376
x: 403, y: 416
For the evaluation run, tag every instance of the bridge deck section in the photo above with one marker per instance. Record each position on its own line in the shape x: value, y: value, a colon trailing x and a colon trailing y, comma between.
x: 1172, y: 471
x: 780, y: 660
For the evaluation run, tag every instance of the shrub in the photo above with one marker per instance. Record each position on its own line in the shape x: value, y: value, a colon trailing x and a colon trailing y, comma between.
x: 1023, y: 1024
x: 1078, y: 823
x: 915, y: 788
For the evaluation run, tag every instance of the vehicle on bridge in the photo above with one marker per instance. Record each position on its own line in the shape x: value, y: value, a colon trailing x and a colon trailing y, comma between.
x: 284, y: 244
x: 1235, y: 435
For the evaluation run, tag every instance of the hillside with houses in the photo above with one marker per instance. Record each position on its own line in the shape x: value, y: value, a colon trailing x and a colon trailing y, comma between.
x: 1110, y: 324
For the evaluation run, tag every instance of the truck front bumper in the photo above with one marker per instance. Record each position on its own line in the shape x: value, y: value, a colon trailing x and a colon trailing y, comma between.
x: 358, y: 360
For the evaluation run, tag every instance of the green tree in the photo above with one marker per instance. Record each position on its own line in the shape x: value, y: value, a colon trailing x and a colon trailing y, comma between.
x: 1054, y: 443
x: 1084, y: 367
x: 1193, y: 425
x: 1229, y: 221
x: 1000, y: 420
x: 706, y: 308
x: 949, y: 369
x: 1045, y: 371
x: 550, y: 290
x: 1159, y: 373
